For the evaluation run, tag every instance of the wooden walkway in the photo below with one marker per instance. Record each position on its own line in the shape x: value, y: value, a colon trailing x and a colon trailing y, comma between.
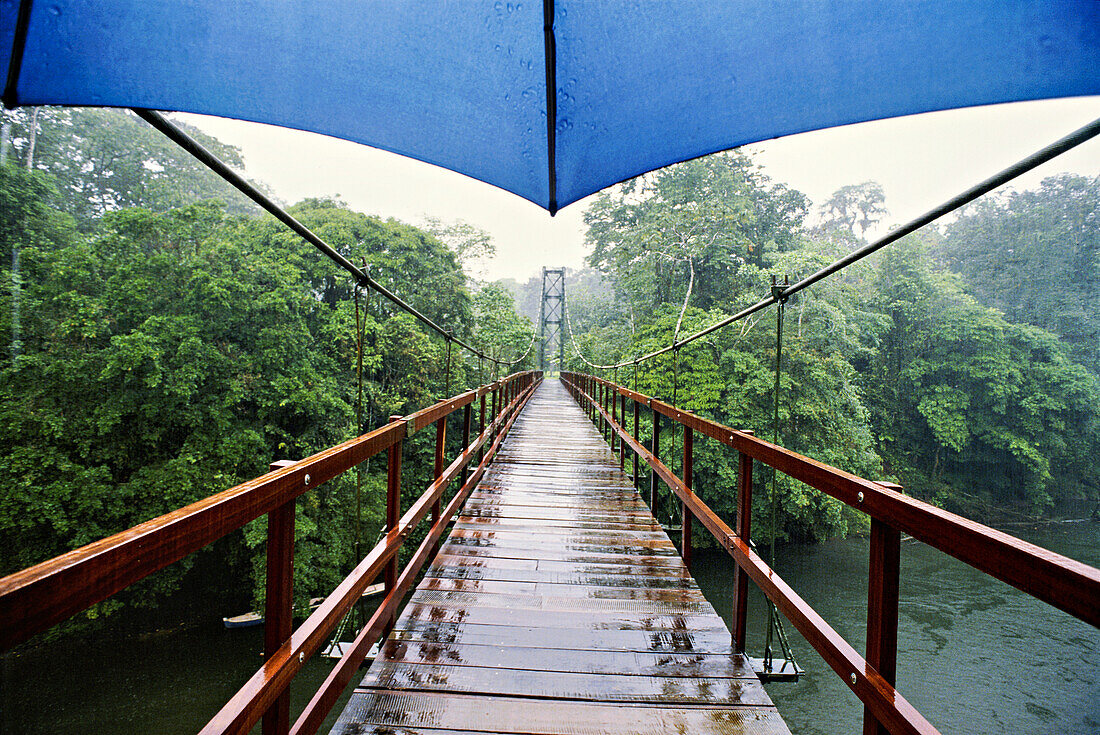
x: 558, y: 605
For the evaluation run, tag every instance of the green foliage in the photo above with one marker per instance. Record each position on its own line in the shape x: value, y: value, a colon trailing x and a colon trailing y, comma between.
x: 730, y: 228
x: 104, y: 160
x: 890, y: 360
x: 697, y: 221
x: 501, y: 332
x: 974, y: 409
x: 1035, y: 255
x: 169, y: 355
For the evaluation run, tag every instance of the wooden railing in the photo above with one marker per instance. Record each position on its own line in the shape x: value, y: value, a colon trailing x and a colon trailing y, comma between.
x: 1062, y: 582
x: 43, y: 595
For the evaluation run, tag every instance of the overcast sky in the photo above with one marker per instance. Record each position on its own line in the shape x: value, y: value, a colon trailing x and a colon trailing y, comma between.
x: 920, y: 161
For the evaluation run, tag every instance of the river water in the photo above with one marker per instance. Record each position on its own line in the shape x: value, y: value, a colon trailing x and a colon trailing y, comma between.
x: 975, y: 656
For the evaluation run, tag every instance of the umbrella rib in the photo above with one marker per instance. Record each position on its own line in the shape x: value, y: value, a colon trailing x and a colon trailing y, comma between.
x: 551, y: 102
x: 18, y: 43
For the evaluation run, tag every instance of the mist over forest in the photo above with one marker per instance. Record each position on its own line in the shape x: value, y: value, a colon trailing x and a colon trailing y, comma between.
x: 165, y: 341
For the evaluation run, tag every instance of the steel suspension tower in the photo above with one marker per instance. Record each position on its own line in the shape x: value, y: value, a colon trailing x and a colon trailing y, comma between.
x: 552, y: 316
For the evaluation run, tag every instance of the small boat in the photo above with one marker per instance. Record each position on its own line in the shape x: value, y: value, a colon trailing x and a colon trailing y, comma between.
x: 247, y: 620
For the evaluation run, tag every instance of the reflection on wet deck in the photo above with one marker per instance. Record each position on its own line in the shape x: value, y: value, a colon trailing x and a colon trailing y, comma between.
x: 558, y: 605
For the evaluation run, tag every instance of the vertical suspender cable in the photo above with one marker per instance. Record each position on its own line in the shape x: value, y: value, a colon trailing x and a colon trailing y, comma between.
x: 360, y: 323
x: 447, y: 379
x: 775, y: 474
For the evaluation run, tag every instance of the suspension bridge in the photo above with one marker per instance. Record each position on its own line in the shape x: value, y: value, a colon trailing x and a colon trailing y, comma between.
x: 551, y: 599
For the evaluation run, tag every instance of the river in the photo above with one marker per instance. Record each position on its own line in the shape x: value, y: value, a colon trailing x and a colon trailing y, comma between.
x: 975, y: 656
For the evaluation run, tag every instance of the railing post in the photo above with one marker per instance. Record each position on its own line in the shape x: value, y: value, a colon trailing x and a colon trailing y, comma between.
x: 279, y: 600
x: 393, y: 509
x: 622, y: 444
x: 635, y: 476
x: 614, y: 400
x: 466, y: 416
x: 599, y: 405
x: 606, y: 422
x: 744, y: 532
x: 496, y: 397
x: 882, y: 608
x: 685, y: 512
x: 654, y: 448
x: 481, y: 429
x: 596, y: 402
x: 440, y: 451
x: 599, y: 416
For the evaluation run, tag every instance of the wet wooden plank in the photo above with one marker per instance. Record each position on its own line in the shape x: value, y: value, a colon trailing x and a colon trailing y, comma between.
x: 476, y: 522
x: 558, y: 605
x: 597, y: 588
x: 611, y: 566
x: 605, y: 687
x: 574, y: 619
x: 602, y: 576
x: 640, y: 663
x: 639, y: 547
x: 370, y: 712
x: 551, y: 555
x: 653, y: 538
x: 590, y: 639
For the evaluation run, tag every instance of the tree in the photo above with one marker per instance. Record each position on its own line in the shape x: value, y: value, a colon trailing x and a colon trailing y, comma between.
x: 473, y: 246
x: 729, y: 227
x: 684, y: 232
x: 103, y: 160
x: 972, y: 409
x: 854, y: 209
x: 1035, y: 255
x: 170, y: 355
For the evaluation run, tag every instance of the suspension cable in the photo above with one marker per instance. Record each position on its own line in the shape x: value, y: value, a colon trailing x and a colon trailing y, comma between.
x: 174, y: 133
x: 1074, y: 139
x: 573, y: 341
x: 447, y: 379
x: 360, y: 325
x: 526, y: 352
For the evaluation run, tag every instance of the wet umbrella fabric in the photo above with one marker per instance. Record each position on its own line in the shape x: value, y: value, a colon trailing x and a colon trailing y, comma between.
x: 636, y: 85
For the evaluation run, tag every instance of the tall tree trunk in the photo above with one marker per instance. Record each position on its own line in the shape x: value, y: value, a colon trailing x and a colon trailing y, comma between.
x: 33, y: 139
x: 5, y: 141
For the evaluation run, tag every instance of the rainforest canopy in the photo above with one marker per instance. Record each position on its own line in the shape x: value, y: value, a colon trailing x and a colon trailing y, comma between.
x: 633, y: 85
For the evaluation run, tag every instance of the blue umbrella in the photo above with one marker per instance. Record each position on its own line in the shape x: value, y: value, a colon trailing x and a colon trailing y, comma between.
x: 635, y: 85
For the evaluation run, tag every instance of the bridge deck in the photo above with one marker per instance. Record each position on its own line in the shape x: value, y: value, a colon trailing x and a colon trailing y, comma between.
x: 558, y: 605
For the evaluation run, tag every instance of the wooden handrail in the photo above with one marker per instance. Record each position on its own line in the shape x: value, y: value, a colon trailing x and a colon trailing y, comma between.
x: 247, y: 706
x: 341, y: 675
x: 1065, y: 583
x: 41, y: 596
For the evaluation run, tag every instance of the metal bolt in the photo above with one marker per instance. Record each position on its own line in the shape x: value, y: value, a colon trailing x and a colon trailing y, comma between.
x: 308, y: 478
x: 859, y: 497
x: 852, y: 678
x: 302, y: 658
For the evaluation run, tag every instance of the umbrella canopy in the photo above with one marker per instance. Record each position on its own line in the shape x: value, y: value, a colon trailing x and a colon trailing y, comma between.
x: 553, y: 100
